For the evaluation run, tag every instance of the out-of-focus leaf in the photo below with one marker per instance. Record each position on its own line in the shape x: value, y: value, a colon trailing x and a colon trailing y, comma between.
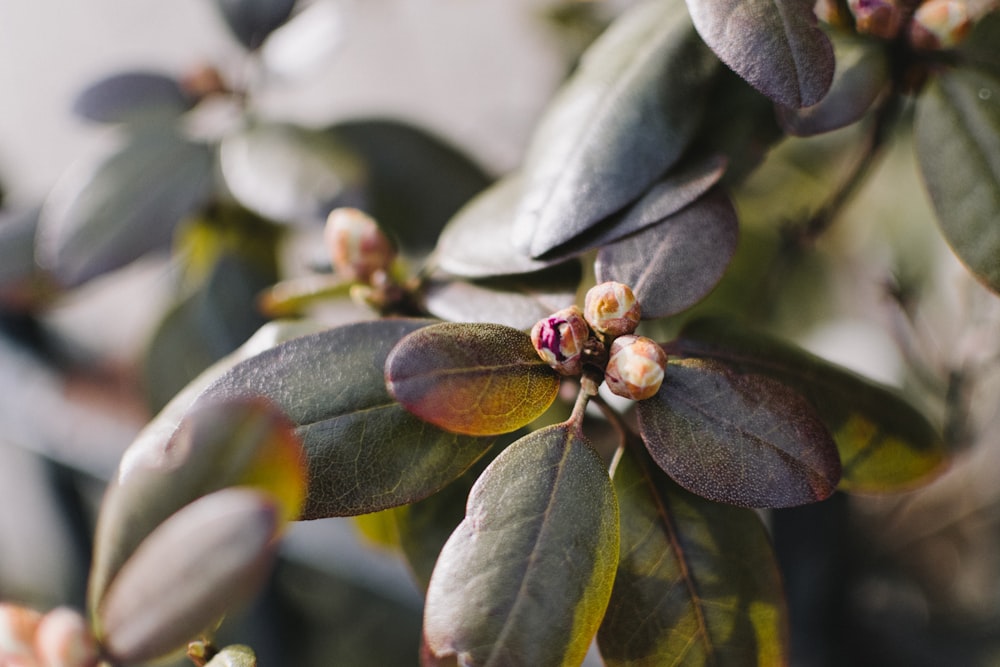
x: 365, y: 451
x: 130, y: 97
x: 957, y: 132
x: 980, y: 48
x: 525, y: 578
x: 307, y: 42
x: 207, y: 558
x: 885, y: 444
x: 289, y: 173
x: 216, y: 446
x: 697, y: 582
x: 773, y: 44
x: 516, y: 301
x: 738, y: 437
x: 625, y: 116
x: 676, y: 263
x: 251, y: 21
x: 236, y: 655
x: 101, y: 220
x: 17, y: 246
x: 480, y: 379
x: 861, y: 78
x: 414, y: 181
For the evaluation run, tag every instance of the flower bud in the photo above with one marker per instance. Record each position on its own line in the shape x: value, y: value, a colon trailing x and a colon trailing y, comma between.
x: 358, y: 247
x: 18, y: 626
x: 878, y: 18
x: 611, y: 309
x: 64, y: 640
x: 940, y: 24
x: 635, y: 368
x: 560, y: 338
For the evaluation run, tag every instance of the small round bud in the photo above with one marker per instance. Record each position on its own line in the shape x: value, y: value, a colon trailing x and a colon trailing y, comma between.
x: 939, y: 24
x: 64, y: 640
x: 611, y: 309
x: 878, y: 18
x: 560, y: 339
x: 358, y: 247
x: 635, y: 368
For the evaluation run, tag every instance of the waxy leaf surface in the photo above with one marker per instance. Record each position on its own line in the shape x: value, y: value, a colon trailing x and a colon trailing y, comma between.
x: 133, y: 96
x: 478, y: 379
x: 251, y: 21
x: 697, y: 582
x: 774, y: 44
x: 958, y: 145
x: 885, y: 444
x: 525, y: 578
x: 676, y: 263
x: 618, y: 124
x: 208, y: 557
x: 738, y: 438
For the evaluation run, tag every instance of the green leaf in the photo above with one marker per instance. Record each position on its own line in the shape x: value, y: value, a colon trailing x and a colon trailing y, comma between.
x: 479, y: 379
x: 17, y: 246
x: 697, y: 581
x: 98, y: 221
x: 207, y: 558
x: 738, y: 437
x: 957, y: 130
x: 676, y: 263
x: 525, y: 578
x: 251, y: 21
x: 885, y: 444
x: 774, y: 44
x: 980, y: 48
x: 620, y: 122
x: 134, y: 96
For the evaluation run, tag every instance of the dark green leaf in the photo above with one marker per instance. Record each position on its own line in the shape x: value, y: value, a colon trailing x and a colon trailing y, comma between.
x: 479, y: 379
x: 289, y: 173
x: 738, y: 437
x: 99, y: 221
x: 885, y: 444
x: 861, y: 78
x: 251, y: 21
x: 17, y: 246
x: 980, y: 47
x: 622, y: 120
x: 958, y: 145
x: 525, y: 578
x: 676, y: 263
x: 697, y: 582
x: 516, y: 301
x: 207, y: 558
x: 774, y: 44
x: 414, y: 180
x: 131, y: 97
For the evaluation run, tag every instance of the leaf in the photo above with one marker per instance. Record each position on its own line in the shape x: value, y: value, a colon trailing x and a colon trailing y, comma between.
x: 979, y: 49
x: 697, y: 581
x: 17, y: 246
x: 101, y: 220
x: 217, y: 445
x: 289, y: 173
x: 676, y: 263
x: 478, y: 379
x: 885, y: 444
x: 620, y: 122
x: 134, y: 96
x: 207, y: 558
x: 860, y: 79
x: 738, y: 437
x: 365, y: 451
x: 525, y: 578
x: 515, y: 301
x: 774, y: 44
x: 251, y: 21
x: 414, y: 182
x: 957, y: 131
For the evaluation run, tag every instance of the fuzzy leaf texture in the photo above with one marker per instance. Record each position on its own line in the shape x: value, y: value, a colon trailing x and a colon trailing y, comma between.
x: 885, y: 444
x: 697, y: 581
x: 477, y: 379
x: 774, y: 44
x: 525, y: 578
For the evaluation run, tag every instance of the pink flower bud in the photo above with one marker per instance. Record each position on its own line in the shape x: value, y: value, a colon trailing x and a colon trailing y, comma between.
x: 635, y: 368
x: 879, y: 18
x: 560, y: 338
x: 358, y: 247
x: 940, y: 24
x: 64, y: 640
x: 611, y: 309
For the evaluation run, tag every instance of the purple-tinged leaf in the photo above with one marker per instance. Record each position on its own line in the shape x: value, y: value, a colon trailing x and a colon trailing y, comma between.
x: 251, y: 21
x: 131, y: 97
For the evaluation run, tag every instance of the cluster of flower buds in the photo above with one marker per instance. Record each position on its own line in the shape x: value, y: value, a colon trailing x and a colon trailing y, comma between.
x: 358, y: 248
x: 59, y: 638
x: 568, y: 339
x: 934, y: 24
